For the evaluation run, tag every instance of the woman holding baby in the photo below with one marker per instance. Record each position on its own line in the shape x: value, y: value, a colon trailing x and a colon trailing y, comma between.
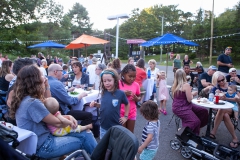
x: 221, y: 86
x: 31, y: 114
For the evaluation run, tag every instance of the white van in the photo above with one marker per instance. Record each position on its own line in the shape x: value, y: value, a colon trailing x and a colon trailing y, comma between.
x: 100, y: 58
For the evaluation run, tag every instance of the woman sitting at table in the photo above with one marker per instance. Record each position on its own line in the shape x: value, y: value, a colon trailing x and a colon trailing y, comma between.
x: 31, y: 114
x: 192, y: 116
x: 221, y: 85
x: 5, y: 76
x: 79, y: 78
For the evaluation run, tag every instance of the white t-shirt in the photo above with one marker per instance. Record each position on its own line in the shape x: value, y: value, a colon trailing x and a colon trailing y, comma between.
x: 153, y: 73
x: 97, y: 82
x: 91, y: 72
x: 43, y: 70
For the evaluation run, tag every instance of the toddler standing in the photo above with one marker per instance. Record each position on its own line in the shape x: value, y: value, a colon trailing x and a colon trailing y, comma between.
x: 163, y: 93
x: 150, y: 134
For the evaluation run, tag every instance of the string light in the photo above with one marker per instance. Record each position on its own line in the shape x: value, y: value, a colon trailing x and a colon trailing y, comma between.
x: 70, y: 39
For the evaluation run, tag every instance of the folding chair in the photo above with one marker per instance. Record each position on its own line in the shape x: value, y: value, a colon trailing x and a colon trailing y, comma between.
x: 177, y: 119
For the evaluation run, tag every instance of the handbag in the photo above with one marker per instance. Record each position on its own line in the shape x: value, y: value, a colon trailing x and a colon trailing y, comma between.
x: 8, y: 135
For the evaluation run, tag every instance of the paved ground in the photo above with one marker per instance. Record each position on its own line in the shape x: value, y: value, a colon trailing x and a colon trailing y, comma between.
x: 167, y: 132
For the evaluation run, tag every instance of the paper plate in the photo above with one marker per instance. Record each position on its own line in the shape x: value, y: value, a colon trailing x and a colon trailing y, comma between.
x: 6, y: 125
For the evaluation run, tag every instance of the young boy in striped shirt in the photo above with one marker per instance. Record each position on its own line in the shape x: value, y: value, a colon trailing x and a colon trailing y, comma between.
x: 150, y: 135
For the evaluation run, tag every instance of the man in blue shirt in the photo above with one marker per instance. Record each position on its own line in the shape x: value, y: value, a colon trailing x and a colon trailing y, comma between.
x: 59, y: 92
x: 224, y: 61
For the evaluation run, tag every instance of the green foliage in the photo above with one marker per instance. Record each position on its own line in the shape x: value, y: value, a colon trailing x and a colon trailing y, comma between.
x: 192, y: 56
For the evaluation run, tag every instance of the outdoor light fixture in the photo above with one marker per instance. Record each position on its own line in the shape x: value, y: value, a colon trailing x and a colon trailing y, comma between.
x: 122, y: 16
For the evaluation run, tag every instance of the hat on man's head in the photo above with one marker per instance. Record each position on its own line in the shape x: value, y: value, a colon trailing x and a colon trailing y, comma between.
x: 94, y: 60
x: 213, y: 68
x: 60, y: 60
x: 228, y: 48
x: 232, y: 70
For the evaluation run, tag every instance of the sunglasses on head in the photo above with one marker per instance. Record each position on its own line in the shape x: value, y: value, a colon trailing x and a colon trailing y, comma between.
x: 222, y: 80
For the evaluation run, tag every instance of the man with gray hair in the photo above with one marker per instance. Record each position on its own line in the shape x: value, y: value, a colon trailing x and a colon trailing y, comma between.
x: 205, y: 82
x: 59, y: 92
x: 100, y: 67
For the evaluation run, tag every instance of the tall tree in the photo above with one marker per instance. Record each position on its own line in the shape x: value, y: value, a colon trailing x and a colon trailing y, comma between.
x: 15, y: 12
x: 80, y: 20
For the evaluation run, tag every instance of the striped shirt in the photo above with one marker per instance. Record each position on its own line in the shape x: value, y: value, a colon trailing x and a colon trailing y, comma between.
x: 151, y: 128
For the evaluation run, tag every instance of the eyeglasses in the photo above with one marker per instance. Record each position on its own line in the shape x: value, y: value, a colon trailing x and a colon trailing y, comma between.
x: 59, y: 70
x: 222, y: 80
x: 97, y: 69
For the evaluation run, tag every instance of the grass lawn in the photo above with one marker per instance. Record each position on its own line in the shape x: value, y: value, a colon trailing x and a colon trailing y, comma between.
x: 205, y: 62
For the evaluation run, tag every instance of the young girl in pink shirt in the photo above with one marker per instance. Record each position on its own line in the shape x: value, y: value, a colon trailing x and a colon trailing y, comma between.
x: 132, y: 91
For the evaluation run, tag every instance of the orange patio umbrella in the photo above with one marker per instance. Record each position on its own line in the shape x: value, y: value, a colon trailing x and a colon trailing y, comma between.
x: 85, y: 41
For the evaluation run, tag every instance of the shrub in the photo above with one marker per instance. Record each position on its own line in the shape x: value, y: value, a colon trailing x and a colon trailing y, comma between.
x: 192, y: 55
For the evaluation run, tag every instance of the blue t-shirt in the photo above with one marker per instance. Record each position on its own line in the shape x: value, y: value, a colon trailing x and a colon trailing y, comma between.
x: 110, y: 108
x: 224, y: 59
x: 29, y: 116
x: 215, y: 88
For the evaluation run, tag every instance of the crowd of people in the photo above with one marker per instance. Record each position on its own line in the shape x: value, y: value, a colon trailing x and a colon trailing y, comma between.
x: 36, y: 93
x: 221, y: 81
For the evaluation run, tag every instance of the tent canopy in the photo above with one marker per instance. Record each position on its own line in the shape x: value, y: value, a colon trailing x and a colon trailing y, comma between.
x: 48, y: 44
x: 85, y: 41
x: 166, y: 39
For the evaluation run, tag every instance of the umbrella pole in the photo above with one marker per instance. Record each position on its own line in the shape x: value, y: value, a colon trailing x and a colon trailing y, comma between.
x: 86, y: 50
x: 167, y: 61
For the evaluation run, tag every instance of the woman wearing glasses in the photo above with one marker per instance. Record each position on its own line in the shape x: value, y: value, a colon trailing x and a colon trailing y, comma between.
x: 221, y: 85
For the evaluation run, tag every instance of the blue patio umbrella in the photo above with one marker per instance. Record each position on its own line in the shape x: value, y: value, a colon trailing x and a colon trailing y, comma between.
x: 166, y: 39
x: 48, y: 44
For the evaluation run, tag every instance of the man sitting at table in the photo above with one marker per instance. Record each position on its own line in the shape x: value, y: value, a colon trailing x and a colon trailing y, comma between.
x: 189, y: 75
x: 233, y: 78
x: 59, y: 92
x: 205, y: 82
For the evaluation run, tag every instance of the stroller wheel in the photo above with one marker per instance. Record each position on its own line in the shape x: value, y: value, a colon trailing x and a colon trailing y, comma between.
x: 186, y: 152
x: 175, y: 144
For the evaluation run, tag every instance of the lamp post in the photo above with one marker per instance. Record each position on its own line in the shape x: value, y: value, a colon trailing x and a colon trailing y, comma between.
x: 122, y: 16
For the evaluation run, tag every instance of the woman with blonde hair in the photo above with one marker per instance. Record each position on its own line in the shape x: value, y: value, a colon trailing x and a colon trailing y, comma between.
x: 221, y: 85
x: 176, y: 63
x: 153, y: 70
x: 192, y: 116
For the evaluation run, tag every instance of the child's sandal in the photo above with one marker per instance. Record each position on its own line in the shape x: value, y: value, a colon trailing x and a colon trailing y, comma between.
x: 164, y: 112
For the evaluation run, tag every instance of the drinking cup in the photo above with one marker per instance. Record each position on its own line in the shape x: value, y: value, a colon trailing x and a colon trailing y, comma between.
x: 216, y: 99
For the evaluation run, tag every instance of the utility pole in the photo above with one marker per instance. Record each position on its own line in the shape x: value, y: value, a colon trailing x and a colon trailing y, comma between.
x: 161, y: 44
x: 211, y: 40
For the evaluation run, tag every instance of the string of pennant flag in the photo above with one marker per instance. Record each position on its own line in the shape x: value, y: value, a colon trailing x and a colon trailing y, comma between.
x: 70, y: 39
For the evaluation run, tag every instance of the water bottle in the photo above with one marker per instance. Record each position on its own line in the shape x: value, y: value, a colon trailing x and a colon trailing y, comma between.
x: 149, y: 74
x: 211, y: 97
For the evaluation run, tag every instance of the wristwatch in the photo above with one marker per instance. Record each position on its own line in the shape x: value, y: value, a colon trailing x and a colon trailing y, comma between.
x: 126, y: 117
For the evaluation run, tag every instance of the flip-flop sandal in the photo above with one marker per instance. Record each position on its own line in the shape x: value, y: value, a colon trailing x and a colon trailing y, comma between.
x: 212, y: 136
x: 234, y: 143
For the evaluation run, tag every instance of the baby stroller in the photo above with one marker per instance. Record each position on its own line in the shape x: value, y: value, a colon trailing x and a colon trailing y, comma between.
x: 117, y: 144
x: 196, y: 147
